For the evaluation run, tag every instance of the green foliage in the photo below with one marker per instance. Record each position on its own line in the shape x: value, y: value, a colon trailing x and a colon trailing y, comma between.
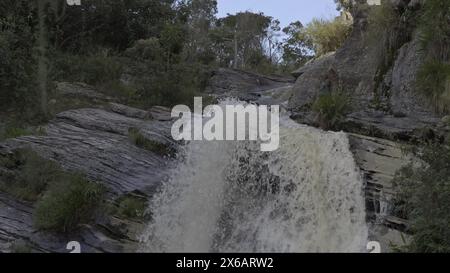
x: 138, y: 139
x: 111, y: 24
x: 68, y: 203
x: 63, y: 200
x: 132, y: 207
x: 424, y: 191
x: 433, y: 78
x: 326, y: 35
x: 17, y: 63
x: 91, y: 69
x: 148, y: 50
x: 389, y: 28
x: 382, y: 17
x: 20, y: 246
x: 13, y: 132
x: 331, y: 109
x: 296, y: 49
x: 157, y: 83
x: 434, y: 29
x: 239, y: 39
x: 29, y: 174
x: 14, y: 129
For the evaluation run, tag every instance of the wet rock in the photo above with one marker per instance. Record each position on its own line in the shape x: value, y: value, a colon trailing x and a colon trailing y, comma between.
x: 379, y: 160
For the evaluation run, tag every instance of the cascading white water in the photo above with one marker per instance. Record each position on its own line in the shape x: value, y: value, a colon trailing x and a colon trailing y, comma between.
x: 230, y: 197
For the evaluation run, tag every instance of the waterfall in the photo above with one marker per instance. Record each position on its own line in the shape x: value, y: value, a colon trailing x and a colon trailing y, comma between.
x: 228, y: 196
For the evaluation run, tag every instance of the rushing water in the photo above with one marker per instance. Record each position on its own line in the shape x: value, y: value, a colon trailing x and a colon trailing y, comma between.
x: 230, y: 197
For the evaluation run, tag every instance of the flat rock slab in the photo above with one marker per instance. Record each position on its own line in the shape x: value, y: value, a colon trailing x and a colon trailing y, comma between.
x: 242, y: 84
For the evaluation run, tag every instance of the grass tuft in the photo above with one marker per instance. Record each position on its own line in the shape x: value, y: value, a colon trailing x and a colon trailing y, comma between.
x: 68, y: 203
x: 141, y: 141
x: 331, y: 109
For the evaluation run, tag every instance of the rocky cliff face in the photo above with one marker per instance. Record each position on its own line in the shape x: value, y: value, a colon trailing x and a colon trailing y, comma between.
x: 379, y: 70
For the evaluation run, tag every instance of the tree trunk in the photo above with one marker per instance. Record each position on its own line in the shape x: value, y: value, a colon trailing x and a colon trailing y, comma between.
x: 42, y: 73
x: 235, y: 62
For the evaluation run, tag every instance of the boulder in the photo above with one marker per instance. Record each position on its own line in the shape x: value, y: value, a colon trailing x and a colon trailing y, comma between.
x: 309, y: 81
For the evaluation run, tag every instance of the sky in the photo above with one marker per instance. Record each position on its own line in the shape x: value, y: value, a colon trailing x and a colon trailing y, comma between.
x: 286, y: 11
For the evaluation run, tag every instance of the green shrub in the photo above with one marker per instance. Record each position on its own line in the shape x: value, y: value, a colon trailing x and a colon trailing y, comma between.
x: 433, y: 80
x: 149, y: 49
x: 434, y: 29
x: 388, y: 30
x: 30, y: 175
x: 132, y: 207
x: 424, y: 194
x: 68, y: 203
x: 433, y: 77
x: 381, y: 19
x: 93, y: 69
x: 331, y: 109
x: 327, y: 35
x: 63, y: 199
x: 125, y: 93
x: 141, y: 141
x: 21, y: 246
x: 17, y: 129
x: 13, y: 132
x: 17, y: 59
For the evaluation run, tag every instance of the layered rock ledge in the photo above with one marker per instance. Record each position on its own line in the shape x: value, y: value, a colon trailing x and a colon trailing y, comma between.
x: 94, y: 142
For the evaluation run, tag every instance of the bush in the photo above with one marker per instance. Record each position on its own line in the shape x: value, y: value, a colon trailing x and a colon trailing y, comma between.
x: 132, y: 207
x: 68, y: 203
x: 149, y: 49
x: 21, y: 246
x: 424, y: 194
x: 331, y: 109
x: 433, y: 80
x: 93, y: 69
x: 13, y: 132
x: 63, y: 199
x: 327, y: 35
x: 30, y: 175
x: 388, y: 30
x: 434, y: 29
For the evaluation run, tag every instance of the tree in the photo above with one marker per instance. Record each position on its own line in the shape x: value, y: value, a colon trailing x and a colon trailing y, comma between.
x: 272, y: 38
x: 58, y: 9
x: 17, y: 63
x: 240, y: 38
x: 297, y: 48
x: 200, y: 20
